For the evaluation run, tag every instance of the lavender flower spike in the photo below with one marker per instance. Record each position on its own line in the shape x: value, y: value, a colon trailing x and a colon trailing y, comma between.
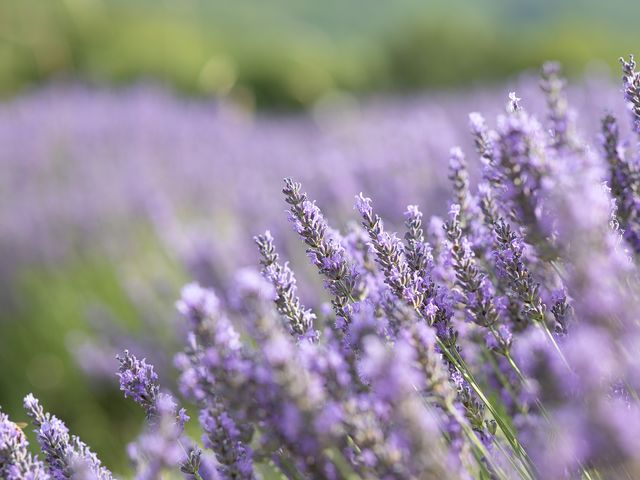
x: 459, y: 177
x: 437, y: 388
x: 482, y: 137
x: 65, y: 457
x: 417, y: 250
x: 16, y: 463
x: 509, y: 258
x: 514, y: 103
x: 196, y: 304
x: 631, y: 84
x: 325, y: 252
x: 139, y: 382
x: 299, y: 319
x: 159, y: 447
x: 624, y: 181
x: 394, y: 381
x: 560, y: 117
x: 519, y: 173
x: 390, y: 255
x: 213, y: 368
x: 475, y: 287
x: 223, y: 436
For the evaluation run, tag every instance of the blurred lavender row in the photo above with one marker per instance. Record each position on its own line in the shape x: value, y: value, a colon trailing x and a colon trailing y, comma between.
x: 104, y: 173
x: 79, y: 165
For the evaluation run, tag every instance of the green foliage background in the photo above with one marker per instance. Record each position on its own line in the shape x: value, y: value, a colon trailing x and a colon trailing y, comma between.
x: 289, y: 53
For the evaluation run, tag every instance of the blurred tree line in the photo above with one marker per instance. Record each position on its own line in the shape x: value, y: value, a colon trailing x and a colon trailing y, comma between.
x: 289, y: 54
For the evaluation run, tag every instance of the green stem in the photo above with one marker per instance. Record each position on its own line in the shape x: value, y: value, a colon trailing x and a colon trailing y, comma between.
x: 505, y: 382
x: 475, y: 441
x: 555, y: 345
x: 337, y: 458
x: 459, y: 364
x: 507, y: 354
x: 290, y: 470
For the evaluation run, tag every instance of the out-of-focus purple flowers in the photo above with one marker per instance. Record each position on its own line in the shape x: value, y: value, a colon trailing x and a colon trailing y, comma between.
x: 500, y: 343
x: 79, y: 164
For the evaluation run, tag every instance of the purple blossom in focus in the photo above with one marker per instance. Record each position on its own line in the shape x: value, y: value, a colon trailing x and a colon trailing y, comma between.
x: 16, y: 462
x: 65, y: 456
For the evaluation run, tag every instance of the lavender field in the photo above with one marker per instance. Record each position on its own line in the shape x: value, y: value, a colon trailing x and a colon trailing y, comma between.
x: 430, y: 286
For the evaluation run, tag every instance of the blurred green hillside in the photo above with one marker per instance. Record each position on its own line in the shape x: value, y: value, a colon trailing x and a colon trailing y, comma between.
x: 290, y: 53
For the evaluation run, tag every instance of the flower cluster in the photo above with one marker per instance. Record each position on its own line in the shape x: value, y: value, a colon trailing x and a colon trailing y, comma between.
x: 161, y: 446
x: 65, y: 456
x: 16, y: 462
x: 499, y: 343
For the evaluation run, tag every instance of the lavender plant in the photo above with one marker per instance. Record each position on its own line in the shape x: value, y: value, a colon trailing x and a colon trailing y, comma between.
x: 631, y: 84
x: 324, y: 250
x: 299, y: 319
x: 162, y: 445
x: 16, y: 462
x: 497, y: 344
x: 624, y: 181
x: 561, y: 121
x: 65, y: 456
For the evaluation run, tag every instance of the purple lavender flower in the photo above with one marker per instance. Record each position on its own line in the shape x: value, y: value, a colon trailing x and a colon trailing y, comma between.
x: 510, y: 264
x: 299, y: 319
x: 483, y: 139
x: 139, y: 382
x: 624, y: 181
x: 631, y: 84
x: 430, y: 353
x: 517, y: 172
x: 560, y: 117
x: 326, y: 253
x: 66, y: 456
x: 459, y: 177
x: 223, y: 436
x: 561, y: 309
x: 215, y: 368
x: 417, y: 251
x: 474, y: 287
x: 16, y: 462
x: 390, y: 256
x: 394, y: 381
x: 438, y: 390
x: 514, y: 103
x: 590, y: 361
x: 196, y: 304
x: 161, y: 447
x: 363, y: 205
x: 410, y: 287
